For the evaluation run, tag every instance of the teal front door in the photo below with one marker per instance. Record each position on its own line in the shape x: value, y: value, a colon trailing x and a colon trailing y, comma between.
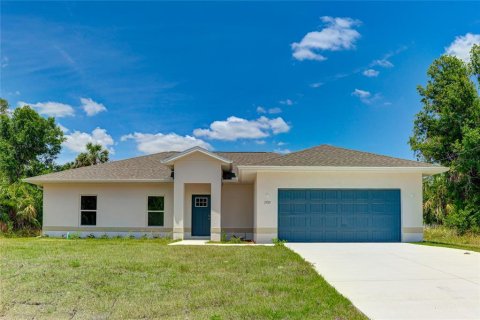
x: 200, y: 215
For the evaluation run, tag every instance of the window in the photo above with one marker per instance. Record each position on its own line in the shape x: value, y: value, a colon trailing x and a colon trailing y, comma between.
x: 201, y: 202
x: 88, y: 210
x: 156, y: 210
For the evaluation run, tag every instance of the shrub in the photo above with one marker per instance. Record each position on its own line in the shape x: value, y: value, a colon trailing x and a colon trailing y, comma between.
x: 278, y: 242
x: 464, y: 219
x: 235, y: 239
x: 73, y: 235
x: 223, y: 237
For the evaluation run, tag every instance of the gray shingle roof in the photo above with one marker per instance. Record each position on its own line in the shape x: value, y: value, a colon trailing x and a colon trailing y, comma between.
x: 150, y: 167
x: 330, y: 156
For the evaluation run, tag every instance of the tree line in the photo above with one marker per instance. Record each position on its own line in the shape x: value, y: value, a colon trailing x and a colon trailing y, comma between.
x: 447, y: 132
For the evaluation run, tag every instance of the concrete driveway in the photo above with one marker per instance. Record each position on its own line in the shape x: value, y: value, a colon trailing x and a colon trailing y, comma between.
x: 400, y: 280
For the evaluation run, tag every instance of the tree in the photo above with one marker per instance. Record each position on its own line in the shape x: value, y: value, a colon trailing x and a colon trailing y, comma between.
x: 29, y: 144
x: 3, y: 106
x: 95, y: 154
x: 447, y: 132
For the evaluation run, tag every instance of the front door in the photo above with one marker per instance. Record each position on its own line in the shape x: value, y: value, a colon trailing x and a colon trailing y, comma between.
x: 201, y: 215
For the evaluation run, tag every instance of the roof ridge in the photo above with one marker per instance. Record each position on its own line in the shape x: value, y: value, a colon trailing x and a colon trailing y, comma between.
x: 245, y: 152
x: 374, y: 154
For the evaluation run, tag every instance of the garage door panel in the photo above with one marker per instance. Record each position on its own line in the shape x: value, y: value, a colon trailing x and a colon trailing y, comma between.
x: 300, y: 208
x: 331, y: 208
x: 317, y: 208
x: 339, y: 215
x: 361, y: 208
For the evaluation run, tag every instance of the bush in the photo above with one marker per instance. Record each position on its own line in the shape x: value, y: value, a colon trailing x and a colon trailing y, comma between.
x: 73, y: 235
x: 278, y: 242
x: 464, y: 219
x: 223, y: 237
x: 234, y: 239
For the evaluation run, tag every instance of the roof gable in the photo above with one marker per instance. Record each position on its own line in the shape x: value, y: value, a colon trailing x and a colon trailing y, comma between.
x: 186, y: 153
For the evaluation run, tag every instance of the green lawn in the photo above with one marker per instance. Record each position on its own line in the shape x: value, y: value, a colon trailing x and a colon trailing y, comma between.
x: 133, y: 279
x: 445, y: 237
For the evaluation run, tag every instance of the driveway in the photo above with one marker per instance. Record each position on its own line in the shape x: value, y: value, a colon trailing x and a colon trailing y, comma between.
x: 400, y: 280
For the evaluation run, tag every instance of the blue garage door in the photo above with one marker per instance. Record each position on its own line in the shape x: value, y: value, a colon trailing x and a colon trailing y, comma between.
x: 339, y: 215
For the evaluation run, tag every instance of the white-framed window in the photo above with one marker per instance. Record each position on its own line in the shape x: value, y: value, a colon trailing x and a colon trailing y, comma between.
x: 88, y: 210
x: 155, y: 211
x: 201, y: 202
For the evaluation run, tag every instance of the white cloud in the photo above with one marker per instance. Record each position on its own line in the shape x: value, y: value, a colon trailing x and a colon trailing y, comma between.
x: 282, y: 151
x: 362, y: 94
x: 261, y: 109
x: 91, y: 107
x: 280, y: 143
x: 382, y: 63
x: 64, y: 129
x: 316, y: 84
x: 461, y: 46
x: 287, y: 102
x: 76, y: 141
x: 306, y: 54
x: 50, y: 108
x: 338, y: 34
x: 237, y: 128
x: 274, y: 110
x: 366, y: 96
x: 152, y: 143
x: 260, y: 142
x: 370, y: 73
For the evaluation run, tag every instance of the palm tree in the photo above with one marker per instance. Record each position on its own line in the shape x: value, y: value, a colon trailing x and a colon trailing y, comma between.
x: 95, y: 154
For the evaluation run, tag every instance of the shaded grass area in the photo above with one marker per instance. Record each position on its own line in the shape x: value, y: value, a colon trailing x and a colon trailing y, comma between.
x: 132, y: 279
x: 446, y: 237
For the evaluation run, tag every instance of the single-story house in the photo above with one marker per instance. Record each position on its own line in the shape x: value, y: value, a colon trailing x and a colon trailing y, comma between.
x: 321, y: 194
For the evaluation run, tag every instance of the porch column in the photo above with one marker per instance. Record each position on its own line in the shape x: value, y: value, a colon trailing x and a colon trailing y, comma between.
x: 178, y: 203
x: 216, y: 205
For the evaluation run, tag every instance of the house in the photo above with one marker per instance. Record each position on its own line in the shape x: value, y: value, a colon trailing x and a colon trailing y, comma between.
x: 324, y: 193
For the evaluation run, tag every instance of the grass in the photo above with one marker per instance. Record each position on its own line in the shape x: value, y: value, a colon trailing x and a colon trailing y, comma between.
x: 446, y: 237
x: 131, y: 279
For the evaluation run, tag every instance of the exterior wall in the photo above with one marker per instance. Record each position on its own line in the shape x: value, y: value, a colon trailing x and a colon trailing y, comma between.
x: 268, y: 183
x: 237, y: 210
x: 121, y: 208
x: 197, y: 168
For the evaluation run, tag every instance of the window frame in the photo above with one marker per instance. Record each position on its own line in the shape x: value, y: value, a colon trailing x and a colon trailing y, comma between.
x: 148, y: 211
x: 80, y: 210
x: 202, y: 203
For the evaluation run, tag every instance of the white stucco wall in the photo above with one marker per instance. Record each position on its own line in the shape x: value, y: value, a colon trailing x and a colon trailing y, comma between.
x: 268, y: 183
x: 121, y: 208
x: 197, y: 168
x: 237, y: 210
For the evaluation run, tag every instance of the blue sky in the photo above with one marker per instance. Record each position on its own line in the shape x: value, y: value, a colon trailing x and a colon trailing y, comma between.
x: 147, y: 77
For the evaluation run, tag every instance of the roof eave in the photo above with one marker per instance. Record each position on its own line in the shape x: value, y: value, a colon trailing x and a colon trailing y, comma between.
x: 423, y: 170
x: 41, y: 182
